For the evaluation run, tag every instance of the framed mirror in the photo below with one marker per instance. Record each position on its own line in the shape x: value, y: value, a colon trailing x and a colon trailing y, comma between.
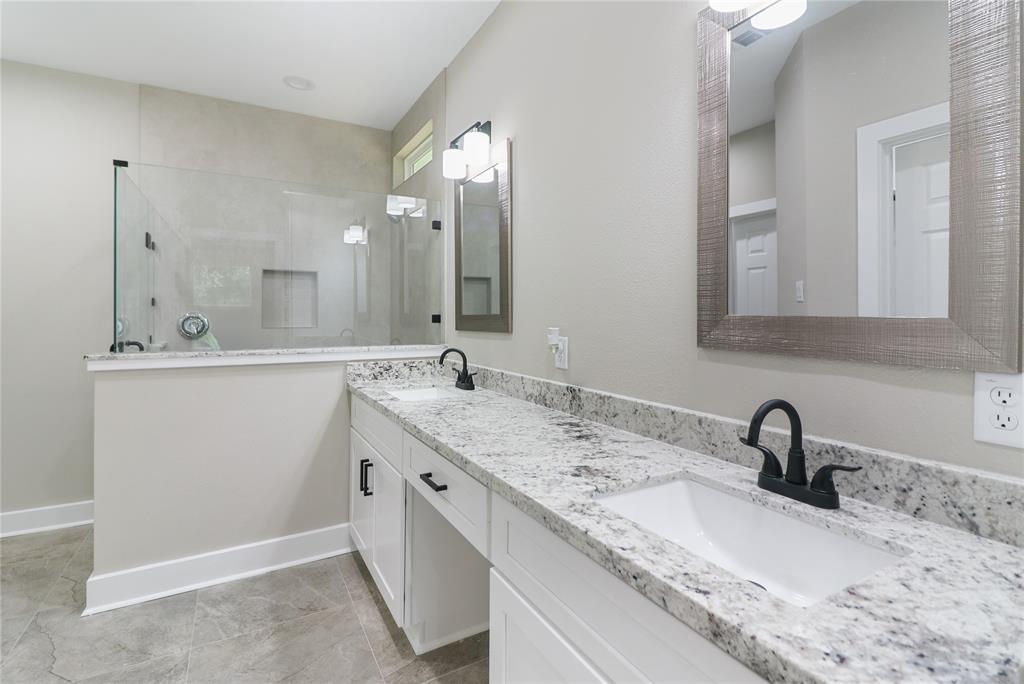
x: 483, y: 250
x: 860, y: 171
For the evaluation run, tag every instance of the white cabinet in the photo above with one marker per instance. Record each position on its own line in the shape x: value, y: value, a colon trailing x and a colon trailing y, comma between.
x: 360, y: 501
x: 388, y: 557
x: 525, y: 648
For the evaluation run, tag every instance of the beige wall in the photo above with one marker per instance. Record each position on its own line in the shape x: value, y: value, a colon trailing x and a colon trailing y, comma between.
x: 867, y: 63
x: 194, y: 460
x: 604, y: 241
x: 60, y: 133
x: 752, y: 165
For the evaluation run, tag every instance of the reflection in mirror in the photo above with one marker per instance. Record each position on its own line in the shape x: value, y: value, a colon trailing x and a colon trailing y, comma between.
x: 483, y: 256
x: 839, y: 162
x: 481, y: 262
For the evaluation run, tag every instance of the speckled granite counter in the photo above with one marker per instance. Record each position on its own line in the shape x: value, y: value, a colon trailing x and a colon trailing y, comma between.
x: 951, y: 610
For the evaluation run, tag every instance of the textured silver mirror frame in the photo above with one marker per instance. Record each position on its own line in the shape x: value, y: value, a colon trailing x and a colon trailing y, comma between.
x: 983, y: 331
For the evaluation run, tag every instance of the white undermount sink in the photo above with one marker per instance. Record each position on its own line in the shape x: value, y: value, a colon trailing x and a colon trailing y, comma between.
x: 794, y: 560
x: 423, y: 394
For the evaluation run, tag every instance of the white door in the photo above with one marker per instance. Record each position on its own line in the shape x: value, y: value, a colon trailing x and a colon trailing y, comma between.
x: 920, y: 254
x: 525, y: 648
x: 387, y: 564
x: 755, y: 275
x: 360, y: 495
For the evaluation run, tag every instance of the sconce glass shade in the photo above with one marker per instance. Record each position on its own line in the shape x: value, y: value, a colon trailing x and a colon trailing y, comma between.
x: 453, y: 164
x: 484, y: 176
x: 392, y: 208
x: 355, y: 235
x: 478, y: 148
x: 778, y: 15
x: 406, y: 202
x: 731, y: 5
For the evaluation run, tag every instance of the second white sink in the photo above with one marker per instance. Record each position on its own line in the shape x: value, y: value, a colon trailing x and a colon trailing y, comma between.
x: 794, y: 560
x: 423, y: 394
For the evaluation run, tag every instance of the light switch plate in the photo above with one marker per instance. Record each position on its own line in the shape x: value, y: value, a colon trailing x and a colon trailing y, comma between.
x: 562, y: 354
x: 998, y: 409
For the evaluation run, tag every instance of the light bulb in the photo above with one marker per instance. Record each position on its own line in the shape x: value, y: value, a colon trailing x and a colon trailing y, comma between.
x: 478, y: 148
x: 731, y: 5
x: 484, y: 176
x: 453, y: 163
x: 778, y: 15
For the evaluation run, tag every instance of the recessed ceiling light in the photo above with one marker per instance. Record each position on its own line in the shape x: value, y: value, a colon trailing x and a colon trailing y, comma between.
x: 298, y: 83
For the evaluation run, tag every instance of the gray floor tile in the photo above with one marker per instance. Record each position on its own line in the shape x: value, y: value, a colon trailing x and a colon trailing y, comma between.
x: 61, y: 643
x: 165, y: 670
x: 52, y: 545
x: 388, y: 641
x: 442, y: 661
x: 357, y: 576
x: 23, y: 586
x: 476, y: 673
x: 328, y: 646
x: 235, y: 608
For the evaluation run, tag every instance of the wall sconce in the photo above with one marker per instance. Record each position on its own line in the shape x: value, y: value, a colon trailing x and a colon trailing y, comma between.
x: 355, y: 235
x: 475, y: 151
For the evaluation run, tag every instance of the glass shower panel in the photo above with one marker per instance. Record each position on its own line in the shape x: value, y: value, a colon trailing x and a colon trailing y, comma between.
x: 133, y: 264
x: 275, y: 265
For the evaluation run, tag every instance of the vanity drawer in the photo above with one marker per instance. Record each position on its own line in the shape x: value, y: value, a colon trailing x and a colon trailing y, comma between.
x: 464, y: 502
x: 382, y: 433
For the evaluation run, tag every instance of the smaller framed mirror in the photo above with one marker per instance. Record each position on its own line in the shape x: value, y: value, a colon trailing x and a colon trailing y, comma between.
x: 483, y: 249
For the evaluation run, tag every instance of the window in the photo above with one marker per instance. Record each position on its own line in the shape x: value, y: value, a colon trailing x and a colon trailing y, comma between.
x: 415, y: 154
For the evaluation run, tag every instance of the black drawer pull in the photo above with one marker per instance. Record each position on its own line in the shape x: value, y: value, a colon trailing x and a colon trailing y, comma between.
x: 366, y: 476
x: 362, y: 474
x: 430, y: 483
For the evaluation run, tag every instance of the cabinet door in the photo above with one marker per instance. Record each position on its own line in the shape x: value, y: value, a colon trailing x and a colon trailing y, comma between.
x: 361, y: 505
x: 388, y: 557
x: 526, y: 648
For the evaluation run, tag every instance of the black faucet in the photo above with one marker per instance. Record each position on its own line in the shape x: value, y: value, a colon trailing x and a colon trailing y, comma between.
x: 120, y: 346
x: 822, y: 490
x: 464, y: 379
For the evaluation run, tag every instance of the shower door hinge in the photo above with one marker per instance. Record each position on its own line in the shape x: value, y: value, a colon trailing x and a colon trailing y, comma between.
x: 436, y: 225
x: 435, y: 318
x: 150, y: 242
x: 152, y: 301
x: 120, y: 162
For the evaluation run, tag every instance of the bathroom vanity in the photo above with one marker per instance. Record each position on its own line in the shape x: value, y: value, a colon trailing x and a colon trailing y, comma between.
x: 554, y: 614
x: 573, y: 528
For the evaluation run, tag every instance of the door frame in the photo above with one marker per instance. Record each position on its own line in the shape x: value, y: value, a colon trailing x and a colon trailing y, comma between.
x: 876, y: 143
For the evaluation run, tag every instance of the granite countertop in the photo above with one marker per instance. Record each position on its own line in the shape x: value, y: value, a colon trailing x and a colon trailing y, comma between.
x: 950, y: 610
x: 227, y: 353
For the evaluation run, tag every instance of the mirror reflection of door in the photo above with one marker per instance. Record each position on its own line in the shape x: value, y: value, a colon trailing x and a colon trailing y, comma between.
x: 481, y: 251
x: 920, y: 262
x: 754, y: 285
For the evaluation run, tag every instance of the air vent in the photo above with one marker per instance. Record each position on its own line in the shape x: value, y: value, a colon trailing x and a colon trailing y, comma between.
x: 747, y: 37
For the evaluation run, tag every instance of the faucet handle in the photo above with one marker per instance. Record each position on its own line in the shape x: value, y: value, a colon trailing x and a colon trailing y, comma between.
x: 822, y: 480
x: 770, y: 467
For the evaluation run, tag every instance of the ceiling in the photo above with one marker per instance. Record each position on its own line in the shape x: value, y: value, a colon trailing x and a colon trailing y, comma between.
x: 369, y: 60
x: 753, y: 69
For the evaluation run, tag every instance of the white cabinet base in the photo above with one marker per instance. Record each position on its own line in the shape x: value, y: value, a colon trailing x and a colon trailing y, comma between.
x: 525, y: 648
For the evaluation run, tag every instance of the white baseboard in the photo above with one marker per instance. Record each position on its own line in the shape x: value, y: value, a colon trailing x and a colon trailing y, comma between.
x: 146, y: 582
x: 45, y: 518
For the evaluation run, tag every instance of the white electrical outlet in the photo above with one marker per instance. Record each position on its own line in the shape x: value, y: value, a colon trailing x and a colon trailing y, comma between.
x: 998, y: 412
x: 799, y: 291
x: 562, y: 353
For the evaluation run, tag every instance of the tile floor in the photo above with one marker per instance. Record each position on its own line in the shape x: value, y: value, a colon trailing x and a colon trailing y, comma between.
x: 320, y: 622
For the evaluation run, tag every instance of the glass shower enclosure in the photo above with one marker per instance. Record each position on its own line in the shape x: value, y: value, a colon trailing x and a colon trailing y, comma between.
x: 208, y: 261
